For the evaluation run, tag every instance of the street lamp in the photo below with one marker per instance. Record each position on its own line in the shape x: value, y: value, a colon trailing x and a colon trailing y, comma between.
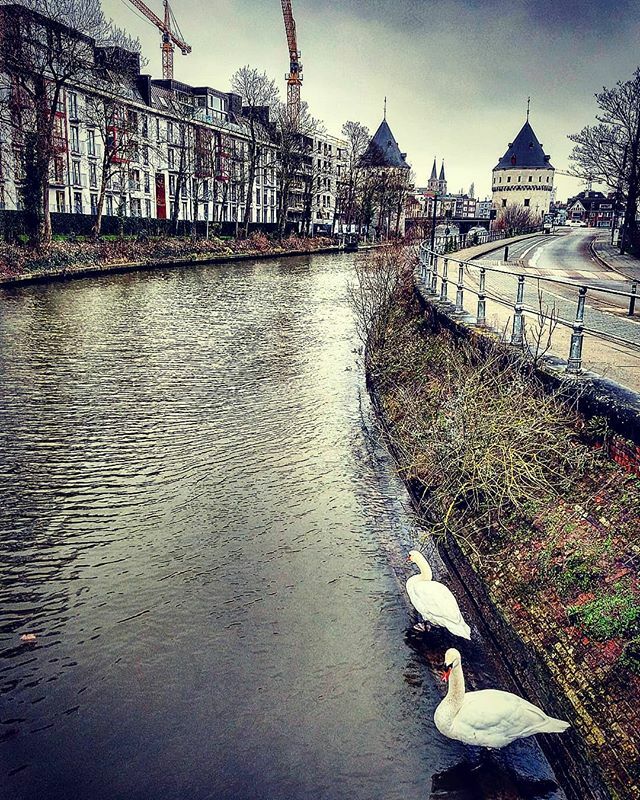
x: 433, y: 223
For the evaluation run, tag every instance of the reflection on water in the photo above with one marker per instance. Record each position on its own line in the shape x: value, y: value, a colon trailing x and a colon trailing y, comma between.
x: 193, y: 526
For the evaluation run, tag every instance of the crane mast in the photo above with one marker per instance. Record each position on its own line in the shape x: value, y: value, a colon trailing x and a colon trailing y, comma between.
x: 294, y: 76
x: 167, y: 26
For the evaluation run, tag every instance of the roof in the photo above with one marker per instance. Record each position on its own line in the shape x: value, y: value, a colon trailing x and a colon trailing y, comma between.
x: 442, y: 178
x: 524, y: 152
x: 383, y: 150
x: 434, y: 173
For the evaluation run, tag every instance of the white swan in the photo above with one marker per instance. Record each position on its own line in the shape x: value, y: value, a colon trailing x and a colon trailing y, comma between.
x: 489, y: 717
x: 433, y: 601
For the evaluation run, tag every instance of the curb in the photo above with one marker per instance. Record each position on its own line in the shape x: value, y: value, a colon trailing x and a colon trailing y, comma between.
x: 606, y: 264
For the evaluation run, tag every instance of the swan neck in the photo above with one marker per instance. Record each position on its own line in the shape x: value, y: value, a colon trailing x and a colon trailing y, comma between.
x: 423, y: 566
x: 455, y: 693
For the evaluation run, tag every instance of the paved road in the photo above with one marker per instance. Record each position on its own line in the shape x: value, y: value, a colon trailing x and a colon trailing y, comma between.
x: 568, y: 256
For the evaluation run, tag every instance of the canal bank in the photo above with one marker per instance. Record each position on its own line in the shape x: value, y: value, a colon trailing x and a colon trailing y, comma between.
x: 203, y: 530
x: 549, y: 560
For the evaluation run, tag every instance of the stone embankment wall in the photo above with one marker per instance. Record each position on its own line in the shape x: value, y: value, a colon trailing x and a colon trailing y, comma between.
x: 536, y: 580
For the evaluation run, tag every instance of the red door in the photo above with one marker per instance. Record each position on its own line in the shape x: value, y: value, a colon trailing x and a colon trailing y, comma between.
x: 161, y: 196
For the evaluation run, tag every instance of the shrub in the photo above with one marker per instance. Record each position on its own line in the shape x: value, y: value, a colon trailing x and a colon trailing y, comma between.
x: 615, y: 614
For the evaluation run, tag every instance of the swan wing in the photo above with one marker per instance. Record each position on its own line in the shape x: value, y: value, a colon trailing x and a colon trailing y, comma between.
x: 493, y: 718
x: 435, y: 602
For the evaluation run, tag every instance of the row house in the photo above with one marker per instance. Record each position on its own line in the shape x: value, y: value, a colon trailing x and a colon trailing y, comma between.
x: 159, y: 144
x: 594, y: 208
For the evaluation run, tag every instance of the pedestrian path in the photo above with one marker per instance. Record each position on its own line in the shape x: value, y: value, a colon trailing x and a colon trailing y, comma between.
x: 625, y: 265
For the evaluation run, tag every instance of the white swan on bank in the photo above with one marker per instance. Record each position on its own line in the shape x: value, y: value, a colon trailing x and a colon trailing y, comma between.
x: 433, y: 601
x: 489, y: 717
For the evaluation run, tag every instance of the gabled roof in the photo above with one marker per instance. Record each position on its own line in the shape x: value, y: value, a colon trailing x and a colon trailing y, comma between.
x: 524, y: 152
x: 383, y: 150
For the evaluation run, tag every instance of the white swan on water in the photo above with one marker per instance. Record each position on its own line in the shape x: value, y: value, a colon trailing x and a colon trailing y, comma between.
x: 489, y: 717
x: 433, y: 601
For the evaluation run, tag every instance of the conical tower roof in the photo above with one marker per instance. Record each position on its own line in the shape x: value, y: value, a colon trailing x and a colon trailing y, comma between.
x: 524, y: 152
x: 434, y: 173
x: 383, y: 150
x: 442, y: 178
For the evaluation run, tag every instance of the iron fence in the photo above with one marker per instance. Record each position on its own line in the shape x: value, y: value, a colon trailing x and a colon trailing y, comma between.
x: 450, y: 244
x: 437, y: 271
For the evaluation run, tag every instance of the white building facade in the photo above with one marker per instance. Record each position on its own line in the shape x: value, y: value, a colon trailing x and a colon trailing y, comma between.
x: 523, y: 176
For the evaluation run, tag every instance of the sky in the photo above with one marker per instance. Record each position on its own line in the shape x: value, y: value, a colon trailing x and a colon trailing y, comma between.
x: 456, y: 73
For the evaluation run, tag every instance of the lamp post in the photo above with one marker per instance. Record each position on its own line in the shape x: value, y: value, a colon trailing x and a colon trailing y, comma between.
x: 433, y: 223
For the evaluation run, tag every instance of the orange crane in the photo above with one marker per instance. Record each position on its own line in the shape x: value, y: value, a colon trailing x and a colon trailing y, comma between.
x: 294, y: 77
x: 169, y: 38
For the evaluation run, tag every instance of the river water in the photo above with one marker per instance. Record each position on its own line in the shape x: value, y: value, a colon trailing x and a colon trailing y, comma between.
x: 198, y: 528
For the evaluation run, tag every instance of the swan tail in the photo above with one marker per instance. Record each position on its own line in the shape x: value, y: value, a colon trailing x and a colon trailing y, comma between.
x: 553, y: 725
x: 461, y: 629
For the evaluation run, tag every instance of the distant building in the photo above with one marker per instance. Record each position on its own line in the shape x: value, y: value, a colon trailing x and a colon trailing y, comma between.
x: 483, y: 208
x: 524, y: 175
x: 594, y: 208
x: 437, y: 184
x: 387, y: 183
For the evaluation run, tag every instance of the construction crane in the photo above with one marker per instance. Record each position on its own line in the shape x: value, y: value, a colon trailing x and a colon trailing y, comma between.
x: 169, y: 38
x: 588, y: 181
x: 294, y: 77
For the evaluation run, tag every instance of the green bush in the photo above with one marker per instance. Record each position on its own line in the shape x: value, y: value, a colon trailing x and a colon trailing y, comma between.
x: 576, y: 573
x: 615, y: 614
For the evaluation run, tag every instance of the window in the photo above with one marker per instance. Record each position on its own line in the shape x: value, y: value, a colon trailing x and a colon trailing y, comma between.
x: 93, y: 199
x: 172, y: 184
x: 530, y: 178
x: 157, y: 129
x: 136, y: 209
x: 147, y: 208
x: 145, y: 127
x: 75, y: 139
x: 122, y: 206
x: 500, y: 179
x: 110, y: 205
x: 172, y: 158
x: 526, y: 201
x: 184, y: 209
x: 509, y: 179
x: 75, y: 173
x: 77, y: 202
x: 519, y: 178
x: 58, y: 170
x: 91, y: 143
x: 60, y: 202
x: 72, y: 103
x: 147, y: 183
x: 134, y: 181
x: 540, y: 179
x: 170, y: 131
x: 145, y: 154
x: 504, y: 203
x: 93, y: 175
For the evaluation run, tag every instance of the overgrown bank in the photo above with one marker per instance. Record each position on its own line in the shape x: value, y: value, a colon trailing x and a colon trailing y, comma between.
x: 518, y: 480
x: 78, y: 256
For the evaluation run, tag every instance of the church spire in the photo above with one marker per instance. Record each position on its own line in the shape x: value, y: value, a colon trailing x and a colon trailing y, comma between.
x: 442, y: 178
x: 434, y: 173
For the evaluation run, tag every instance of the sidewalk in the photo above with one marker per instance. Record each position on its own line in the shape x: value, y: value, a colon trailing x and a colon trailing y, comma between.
x: 608, y: 254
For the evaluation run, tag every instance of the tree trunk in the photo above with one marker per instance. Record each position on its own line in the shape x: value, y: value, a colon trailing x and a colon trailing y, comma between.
x: 248, y: 206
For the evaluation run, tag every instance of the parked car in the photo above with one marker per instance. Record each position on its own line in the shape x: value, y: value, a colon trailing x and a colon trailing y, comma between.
x: 576, y: 223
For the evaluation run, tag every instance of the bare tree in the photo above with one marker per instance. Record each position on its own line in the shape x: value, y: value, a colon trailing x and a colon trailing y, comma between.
x: 350, y: 190
x: 259, y: 96
x: 609, y: 152
x: 43, y: 49
x: 514, y: 218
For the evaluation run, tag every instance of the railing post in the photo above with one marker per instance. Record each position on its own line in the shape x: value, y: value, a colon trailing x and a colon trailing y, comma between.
x: 506, y: 253
x: 632, y: 300
x: 516, y: 334
x: 482, y: 299
x: 443, y: 285
x: 574, y: 364
x: 434, y: 276
x: 427, y: 271
x: 460, y: 289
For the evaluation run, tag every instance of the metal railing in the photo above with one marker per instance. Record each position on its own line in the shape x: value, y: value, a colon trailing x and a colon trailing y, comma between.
x: 450, y: 244
x: 435, y: 268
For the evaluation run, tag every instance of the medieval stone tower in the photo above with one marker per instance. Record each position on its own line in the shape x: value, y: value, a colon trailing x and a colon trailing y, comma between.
x: 523, y: 176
